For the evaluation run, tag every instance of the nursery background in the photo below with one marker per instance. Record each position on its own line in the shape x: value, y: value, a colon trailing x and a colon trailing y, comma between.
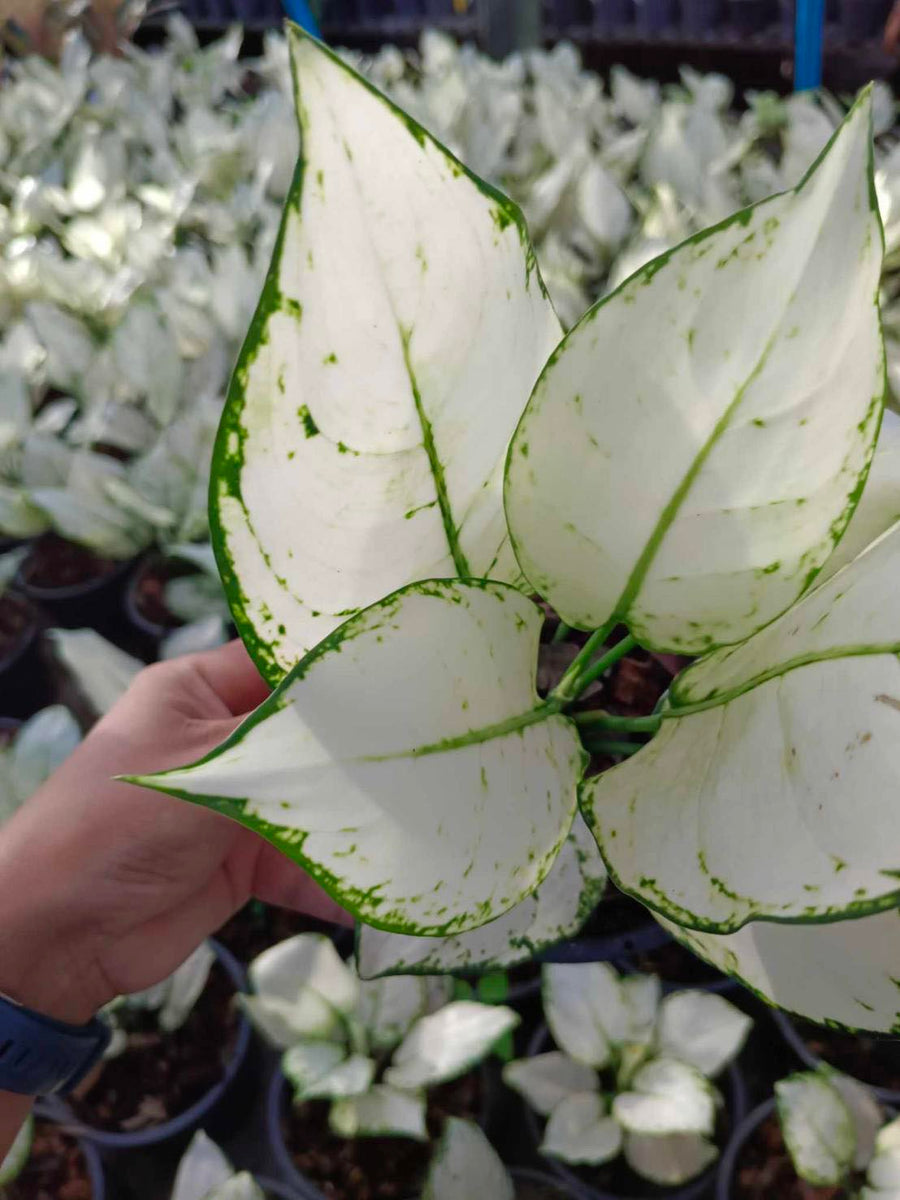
x: 145, y: 158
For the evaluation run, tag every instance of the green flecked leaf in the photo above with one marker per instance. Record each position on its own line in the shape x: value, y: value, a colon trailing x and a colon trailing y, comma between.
x: 428, y: 792
x: 665, y: 1097
x: 448, y: 1043
x: 401, y: 329
x: 842, y: 973
x: 557, y: 910
x: 779, y: 800
x: 699, y: 441
x: 818, y: 1128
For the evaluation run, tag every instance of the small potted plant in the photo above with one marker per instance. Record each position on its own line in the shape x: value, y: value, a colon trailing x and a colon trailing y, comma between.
x: 175, y: 1052
x: 370, y: 1069
x: 821, y: 1136
x: 655, y: 1058
x: 46, y: 1160
x: 204, y: 1173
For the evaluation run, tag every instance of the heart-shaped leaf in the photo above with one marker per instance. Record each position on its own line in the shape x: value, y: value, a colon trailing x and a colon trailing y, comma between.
x: 555, y: 911
x: 667, y: 1096
x: 780, y: 801
x: 448, y: 1043
x: 381, y: 1112
x: 591, y: 1011
x: 546, y: 1079
x: 428, y: 791
x: 401, y: 329
x: 465, y: 1164
x: 579, y: 1131
x: 818, y: 1128
x: 697, y: 445
x: 701, y: 1029
x: 670, y: 1159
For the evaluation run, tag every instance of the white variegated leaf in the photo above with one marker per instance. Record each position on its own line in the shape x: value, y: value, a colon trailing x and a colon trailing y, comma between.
x: 388, y: 1007
x: 401, y: 329
x: 305, y: 1063
x: 778, y: 801
x: 42, y: 744
x: 458, y: 722
x: 348, y: 1079
x: 579, y: 1131
x: 590, y: 1013
x: 546, y: 1079
x: 101, y: 671
x: 883, y: 1175
x: 671, y: 1159
x: 240, y: 1187
x: 843, y: 973
x: 284, y: 1022
x: 818, y: 1128
x: 448, y: 1043
x: 308, y: 960
x: 184, y: 987
x: 666, y: 1096
x: 466, y: 1165
x: 202, y: 1169
x: 750, y: 449
x: 382, y: 1111
x: 702, y: 1029
x: 557, y: 910
x: 867, y: 1114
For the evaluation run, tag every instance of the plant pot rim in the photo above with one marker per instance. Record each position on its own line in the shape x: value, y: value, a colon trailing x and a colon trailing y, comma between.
x: 20, y: 648
x: 791, y: 1035
x: 72, y: 591
x: 56, y: 1108
x: 277, y: 1190
x: 736, y: 1102
x: 529, y: 1175
x: 739, y: 1138
x: 274, y: 1102
x: 147, y: 563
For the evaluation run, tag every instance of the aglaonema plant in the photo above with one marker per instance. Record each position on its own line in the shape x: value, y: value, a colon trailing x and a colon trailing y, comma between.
x: 374, y: 1048
x: 688, y: 459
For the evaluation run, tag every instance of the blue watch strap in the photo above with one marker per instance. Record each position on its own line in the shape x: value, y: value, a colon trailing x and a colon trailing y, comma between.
x: 40, y: 1055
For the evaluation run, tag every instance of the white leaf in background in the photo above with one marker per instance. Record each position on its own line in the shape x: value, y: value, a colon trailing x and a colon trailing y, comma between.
x: 306, y: 1063
x: 867, y: 1114
x: 555, y: 911
x: 185, y: 987
x: 42, y: 744
x: 307, y: 960
x: 883, y: 1176
x: 818, y: 1128
x: 579, y: 1131
x: 637, y: 100
x: 670, y: 1159
x: 202, y: 1169
x: 757, y: 450
x: 397, y: 412
x: 388, y: 1007
x: 448, y: 1043
x: 381, y: 1112
x: 348, y: 1079
x: 841, y: 973
x: 804, y: 833
x: 240, y: 1187
x: 702, y: 1029
x: 466, y: 1165
x: 667, y: 1096
x: 546, y: 1079
x: 101, y: 671
x: 458, y: 722
x: 589, y: 1012
x: 204, y: 634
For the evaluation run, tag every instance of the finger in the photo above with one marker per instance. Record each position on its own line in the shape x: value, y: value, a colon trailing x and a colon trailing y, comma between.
x: 279, y: 881
x: 230, y: 672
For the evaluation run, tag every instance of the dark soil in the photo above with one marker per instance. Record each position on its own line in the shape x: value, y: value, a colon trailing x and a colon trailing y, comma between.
x: 56, y: 563
x: 258, y: 926
x: 764, y: 1171
x: 384, y: 1168
x: 16, y: 618
x: 674, y: 963
x: 56, y: 1169
x: 148, y: 590
x: 160, y: 1075
x: 875, y: 1061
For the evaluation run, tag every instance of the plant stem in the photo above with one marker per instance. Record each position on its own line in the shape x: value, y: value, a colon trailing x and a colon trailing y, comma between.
x: 595, y: 670
x: 562, y: 632
x: 603, y: 747
x: 627, y: 724
x: 567, y: 689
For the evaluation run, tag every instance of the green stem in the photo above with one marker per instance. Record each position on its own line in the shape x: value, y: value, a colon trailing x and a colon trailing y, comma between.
x: 567, y: 689
x: 562, y: 632
x: 604, y: 747
x: 626, y: 724
x: 602, y: 665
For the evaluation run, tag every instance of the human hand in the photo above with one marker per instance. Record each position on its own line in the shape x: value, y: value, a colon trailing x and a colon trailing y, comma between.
x: 892, y: 30
x: 105, y: 887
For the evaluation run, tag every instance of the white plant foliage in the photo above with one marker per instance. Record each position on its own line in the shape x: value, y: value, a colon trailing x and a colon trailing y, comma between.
x: 460, y: 721
x: 702, y: 1029
x: 759, y: 447
x: 464, y: 1165
x: 670, y: 1159
x: 202, y: 1169
x: 556, y: 910
x: 591, y: 1011
x: 389, y: 425
x: 41, y: 745
x: 802, y: 834
x: 382, y: 1111
x: 579, y: 1131
x: 171, y: 1000
x: 867, y: 1114
x: 667, y: 1096
x: 448, y: 1043
x: 101, y: 671
x: 818, y: 1128
x: 883, y: 1174
x: 547, y: 1079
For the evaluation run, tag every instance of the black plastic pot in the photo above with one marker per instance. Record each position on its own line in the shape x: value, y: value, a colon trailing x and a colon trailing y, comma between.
x: 24, y: 686
x: 565, y: 13
x: 736, y: 1100
x: 749, y: 16
x: 739, y: 1138
x: 540, y: 1179
x: 790, y: 1033
x: 179, y: 1128
x: 276, y: 1100
x: 277, y: 1191
x: 862, y: 20
x: 701, y: 18
x: 656, y: 16
x: 610, y: 15
x: 94, y: 603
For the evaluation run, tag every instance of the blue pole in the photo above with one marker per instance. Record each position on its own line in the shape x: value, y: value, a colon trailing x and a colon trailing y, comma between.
x: 299, y: 12
x: 810, y: 19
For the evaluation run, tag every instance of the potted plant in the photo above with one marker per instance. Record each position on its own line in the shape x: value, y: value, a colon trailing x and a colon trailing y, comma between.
x: 369, y: 1071
x: 874, y: 1062
x: 46, y: 1160
x: 627, y: 1096
x: 175, y: 1053
x: 204, y: 1173
x: 822, y: 1135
